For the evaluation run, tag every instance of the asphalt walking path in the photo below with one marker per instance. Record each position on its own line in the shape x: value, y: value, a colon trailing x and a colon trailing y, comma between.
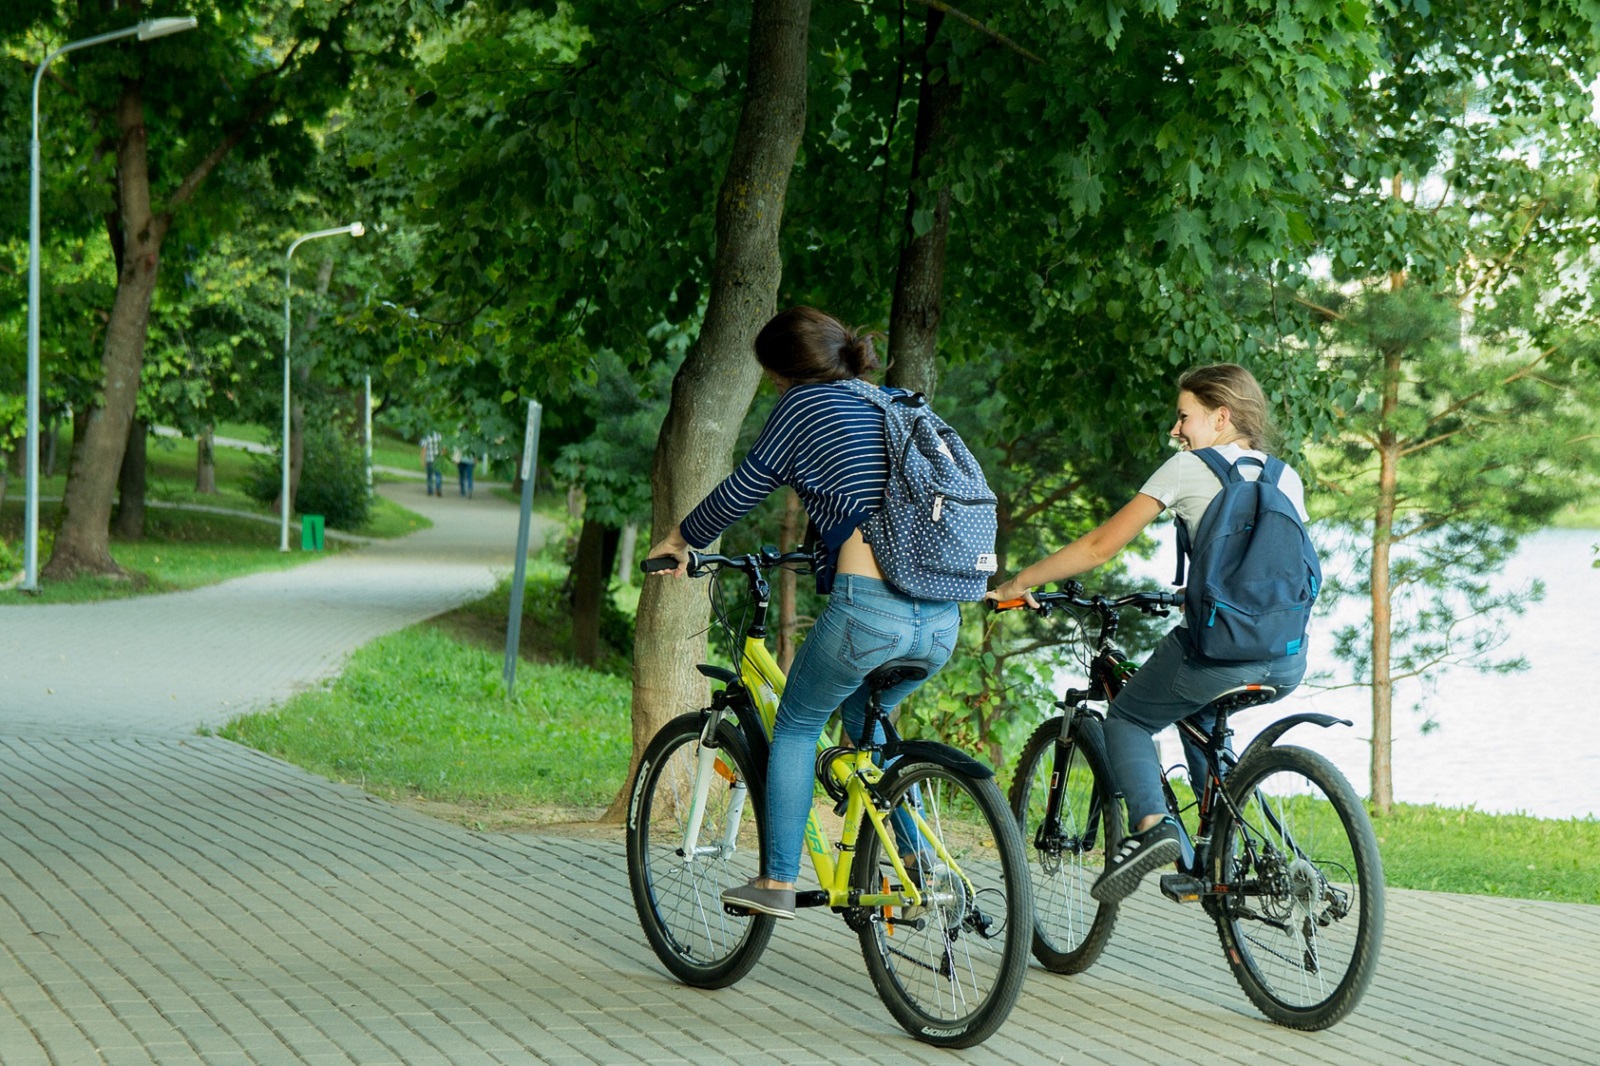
x: 171, y: 897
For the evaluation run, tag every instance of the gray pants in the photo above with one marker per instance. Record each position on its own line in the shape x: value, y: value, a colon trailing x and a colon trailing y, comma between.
x: 1171, y: 686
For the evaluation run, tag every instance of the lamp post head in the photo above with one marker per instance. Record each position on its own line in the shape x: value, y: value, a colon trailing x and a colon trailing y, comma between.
x: 357, y: 229
x: 153, y: 28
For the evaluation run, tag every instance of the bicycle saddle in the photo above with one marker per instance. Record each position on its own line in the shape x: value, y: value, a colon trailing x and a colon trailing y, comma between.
x: 894, y: 672
x: 1237, y: 699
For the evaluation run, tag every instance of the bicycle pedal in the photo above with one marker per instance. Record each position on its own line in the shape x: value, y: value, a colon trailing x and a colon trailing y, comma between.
x: 1181, y: 888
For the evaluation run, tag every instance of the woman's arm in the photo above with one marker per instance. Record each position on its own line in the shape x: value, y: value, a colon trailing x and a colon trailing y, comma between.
x: 1094, y: 548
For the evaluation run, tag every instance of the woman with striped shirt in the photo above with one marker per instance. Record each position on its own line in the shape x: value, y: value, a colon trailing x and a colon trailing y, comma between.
x: 827, y: 444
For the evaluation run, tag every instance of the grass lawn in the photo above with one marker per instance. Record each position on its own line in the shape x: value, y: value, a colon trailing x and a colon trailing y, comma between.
x: 422, y: 715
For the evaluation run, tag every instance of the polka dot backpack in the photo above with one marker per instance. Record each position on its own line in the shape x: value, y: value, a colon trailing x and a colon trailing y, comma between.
x: 934, y: 537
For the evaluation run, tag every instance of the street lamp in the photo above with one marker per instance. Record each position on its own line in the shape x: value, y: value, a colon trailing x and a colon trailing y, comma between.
x: 145, y: 31
x: 354, y: 229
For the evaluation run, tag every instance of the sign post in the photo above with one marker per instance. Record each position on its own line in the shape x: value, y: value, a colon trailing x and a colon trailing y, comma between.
x: 530, y: 448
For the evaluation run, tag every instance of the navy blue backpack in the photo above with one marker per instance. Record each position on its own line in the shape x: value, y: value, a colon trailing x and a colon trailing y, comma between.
x: 1253, y: 572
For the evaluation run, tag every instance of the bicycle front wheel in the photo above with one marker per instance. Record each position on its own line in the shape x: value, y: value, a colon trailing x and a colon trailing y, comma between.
x: 1301, y: 918
x: 950, y: 970
x: 1067, y: 849
x: 677, y: 884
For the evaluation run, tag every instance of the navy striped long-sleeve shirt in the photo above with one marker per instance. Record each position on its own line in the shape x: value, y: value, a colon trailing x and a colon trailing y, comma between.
x: 827, y: 444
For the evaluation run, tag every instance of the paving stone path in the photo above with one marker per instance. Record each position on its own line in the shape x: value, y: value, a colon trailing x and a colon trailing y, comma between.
x: 169, y: 897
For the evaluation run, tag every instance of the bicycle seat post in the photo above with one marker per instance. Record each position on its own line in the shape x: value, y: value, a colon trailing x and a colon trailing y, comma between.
x: 881, y: 679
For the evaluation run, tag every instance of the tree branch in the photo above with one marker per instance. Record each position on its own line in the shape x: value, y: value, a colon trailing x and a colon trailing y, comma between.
x: 940, y: 5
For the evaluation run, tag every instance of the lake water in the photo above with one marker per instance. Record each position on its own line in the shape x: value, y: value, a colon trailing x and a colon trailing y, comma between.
x: 1527, y: 742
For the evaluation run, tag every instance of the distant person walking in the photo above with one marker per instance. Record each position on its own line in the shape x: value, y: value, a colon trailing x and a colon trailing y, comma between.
x: 432, y: 446
x: 465, y: 461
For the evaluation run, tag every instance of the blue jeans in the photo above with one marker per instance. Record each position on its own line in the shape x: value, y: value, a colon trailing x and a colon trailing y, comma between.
x: 865, y: 625
x: 435, y: 479
x: 1168, y: 687
x: 464, y: 474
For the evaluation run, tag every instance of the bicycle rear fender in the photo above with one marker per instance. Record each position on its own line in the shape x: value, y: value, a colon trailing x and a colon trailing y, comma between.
x: 1269, y: 736
x: 937, y: 753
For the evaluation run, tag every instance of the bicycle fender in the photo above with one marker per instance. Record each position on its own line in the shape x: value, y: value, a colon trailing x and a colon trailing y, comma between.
x: 717, y: 673
x: 937, y: 753
x: 1269, y: 736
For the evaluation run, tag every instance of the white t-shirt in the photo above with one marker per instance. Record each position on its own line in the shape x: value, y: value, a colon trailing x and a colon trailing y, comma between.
x: 1186, y: 484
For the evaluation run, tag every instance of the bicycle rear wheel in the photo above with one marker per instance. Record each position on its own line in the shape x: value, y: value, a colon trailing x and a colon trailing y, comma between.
x: 1067, y: 852
x: 1302, y: 918
x: 949, y: 971
x: 678, y: 891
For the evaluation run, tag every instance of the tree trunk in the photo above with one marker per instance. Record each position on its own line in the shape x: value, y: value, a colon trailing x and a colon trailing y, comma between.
x: 83, y: 535
x: 714, y: 386
x: 47, y: 449
x: 588, y: 589
x: 788, y: 610
x: 919, y: 282
x: 302, y: 381
x: 1383, y: 592
x: 625, y: 551
x: 131, y: 484
x: 205, y: 461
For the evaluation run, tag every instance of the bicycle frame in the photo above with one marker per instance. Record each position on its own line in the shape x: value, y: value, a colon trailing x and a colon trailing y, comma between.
x: 761, y: 681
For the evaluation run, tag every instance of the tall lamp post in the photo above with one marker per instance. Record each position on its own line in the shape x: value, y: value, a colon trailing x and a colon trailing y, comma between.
x: 145, y: 31
x: 354, y: 229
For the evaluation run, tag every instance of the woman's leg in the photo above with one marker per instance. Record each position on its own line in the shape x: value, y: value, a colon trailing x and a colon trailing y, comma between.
x: 864, y: 626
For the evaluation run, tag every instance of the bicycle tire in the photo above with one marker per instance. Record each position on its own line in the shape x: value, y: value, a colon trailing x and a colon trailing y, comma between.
x: 950, y: 971
x: 1070, y: 928
x: 1302, y: 921
x: 679, y: 902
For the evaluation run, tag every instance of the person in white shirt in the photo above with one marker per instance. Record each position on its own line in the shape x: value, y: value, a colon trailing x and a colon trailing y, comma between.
x: 1220, y: 406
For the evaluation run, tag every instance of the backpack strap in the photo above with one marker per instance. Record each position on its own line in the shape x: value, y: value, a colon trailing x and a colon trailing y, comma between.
x: 1225, y: 473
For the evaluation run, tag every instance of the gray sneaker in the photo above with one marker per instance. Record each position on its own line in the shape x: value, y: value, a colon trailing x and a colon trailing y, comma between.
x: 778, y: 902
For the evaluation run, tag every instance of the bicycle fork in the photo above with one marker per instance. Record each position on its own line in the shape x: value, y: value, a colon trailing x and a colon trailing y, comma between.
x: 707, y: 768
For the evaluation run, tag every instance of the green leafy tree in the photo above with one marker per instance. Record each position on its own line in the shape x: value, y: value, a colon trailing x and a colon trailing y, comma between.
x: 1459, y: 228
x: 161, y: 120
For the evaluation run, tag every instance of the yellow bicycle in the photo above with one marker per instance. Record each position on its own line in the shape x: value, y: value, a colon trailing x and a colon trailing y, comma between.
x: 929, y: 869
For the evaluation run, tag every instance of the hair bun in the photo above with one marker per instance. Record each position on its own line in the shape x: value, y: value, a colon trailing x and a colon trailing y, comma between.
x: 858, y: 353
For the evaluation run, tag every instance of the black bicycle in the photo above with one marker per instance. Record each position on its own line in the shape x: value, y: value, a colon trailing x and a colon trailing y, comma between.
x: 1282, y: 853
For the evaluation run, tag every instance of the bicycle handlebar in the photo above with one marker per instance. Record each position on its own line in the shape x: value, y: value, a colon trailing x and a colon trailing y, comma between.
x: 1072, y: 595
x: 702, y: 563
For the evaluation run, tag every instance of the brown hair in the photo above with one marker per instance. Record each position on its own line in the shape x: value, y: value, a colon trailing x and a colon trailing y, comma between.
x: 1232, y: 386
x: 808, y: 346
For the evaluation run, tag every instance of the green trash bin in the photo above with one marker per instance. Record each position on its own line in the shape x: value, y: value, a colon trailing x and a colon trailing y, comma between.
x: 310, y: 532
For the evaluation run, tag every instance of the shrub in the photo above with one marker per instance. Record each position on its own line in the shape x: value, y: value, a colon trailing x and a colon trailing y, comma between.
x: 333, y: 481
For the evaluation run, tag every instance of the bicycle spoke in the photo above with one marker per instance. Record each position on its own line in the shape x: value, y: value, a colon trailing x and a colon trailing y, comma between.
x: 949, y: 968
x: 1303, y: 913
x: 679, y: 895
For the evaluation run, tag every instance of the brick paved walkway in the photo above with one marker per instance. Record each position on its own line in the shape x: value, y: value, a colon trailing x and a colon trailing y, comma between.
x: 172, y: 898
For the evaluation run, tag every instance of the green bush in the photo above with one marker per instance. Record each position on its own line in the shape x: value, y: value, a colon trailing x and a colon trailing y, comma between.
x: 333, y: 481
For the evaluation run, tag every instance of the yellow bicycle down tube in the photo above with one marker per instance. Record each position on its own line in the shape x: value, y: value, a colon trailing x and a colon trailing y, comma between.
x: 763, y: 679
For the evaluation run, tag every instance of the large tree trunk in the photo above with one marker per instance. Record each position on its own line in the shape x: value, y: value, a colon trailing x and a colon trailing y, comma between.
x: 718, y: 378
x: 131, y: 484
x: 81, y: 543
x: 1383, y: 592
x: 205, y: 461
x: 919, y: 283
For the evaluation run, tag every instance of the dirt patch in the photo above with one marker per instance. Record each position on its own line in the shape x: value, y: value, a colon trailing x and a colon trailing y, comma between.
x: 580, y: 822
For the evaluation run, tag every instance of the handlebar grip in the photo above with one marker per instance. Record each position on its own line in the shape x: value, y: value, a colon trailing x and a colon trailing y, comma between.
x: 659, y: 563
x: 1007, y: 605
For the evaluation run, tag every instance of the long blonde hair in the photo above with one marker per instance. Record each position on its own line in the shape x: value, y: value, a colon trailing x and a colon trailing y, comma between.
x: 1232, y: 386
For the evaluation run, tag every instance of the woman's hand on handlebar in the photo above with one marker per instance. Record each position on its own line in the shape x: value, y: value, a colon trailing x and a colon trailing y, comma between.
x: 1008, y: 593
x: 671, y: 546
